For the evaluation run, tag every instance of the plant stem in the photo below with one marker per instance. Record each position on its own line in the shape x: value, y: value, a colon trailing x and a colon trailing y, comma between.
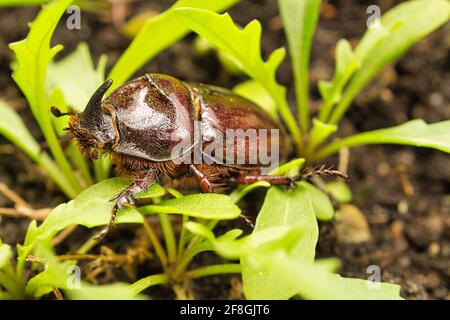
x: 87, y: 246
x: 169, y: 237
x: 102, y: 168
x: 156, y: 244
x: 342, y: 106
x: 214, y: 270
x: 189, y: 254
x: 290, y: 121
x: 149, y: 281
x: 81, y: 164
x: 197, y: 239
x: 183, y: 237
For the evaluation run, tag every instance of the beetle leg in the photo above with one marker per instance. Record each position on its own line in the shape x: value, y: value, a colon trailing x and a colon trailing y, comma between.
x: 203, y: 180
x: 289, y: 181
x: 127, y: 198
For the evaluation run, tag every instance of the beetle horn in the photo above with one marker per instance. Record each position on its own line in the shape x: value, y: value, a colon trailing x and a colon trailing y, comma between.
x: 96, y: 99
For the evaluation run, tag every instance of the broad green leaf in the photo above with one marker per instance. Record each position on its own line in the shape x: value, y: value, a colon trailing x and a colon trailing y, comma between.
x: 67, y: 73
x: 267, y: 240
x: 281, y: 208
x: 155, y: 191
x: 346, y: 65
x: 315, y: 282
x: 256, y: 93
x: 14, y: 129
x: 54, y: 275
x: 398, y: 30
x: 323, y: 208
x: 415, y: 133
x: 114, y: 291
x: 6, y: 254
x: 244, y: 45
x: 90, y: 208
x: 157, y: 34
x: 339, y: 190
x: 300, y: 20
x: 206, y: 206
x: 33, y: 55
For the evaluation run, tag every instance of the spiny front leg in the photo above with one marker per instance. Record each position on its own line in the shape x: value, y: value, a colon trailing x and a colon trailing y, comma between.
x: 128, y: 196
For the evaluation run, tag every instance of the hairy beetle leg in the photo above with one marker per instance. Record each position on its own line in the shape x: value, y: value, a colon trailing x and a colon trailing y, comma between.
x: 203, y: 181
x: 127, y: 198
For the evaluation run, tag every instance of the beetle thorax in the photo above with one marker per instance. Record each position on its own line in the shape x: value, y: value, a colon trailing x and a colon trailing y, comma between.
x: 154, y: 114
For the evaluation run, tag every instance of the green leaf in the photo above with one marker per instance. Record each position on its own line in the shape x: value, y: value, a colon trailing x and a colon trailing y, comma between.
x: 284, y: 209
x: 206, y: 206
x: 6, y: 254
x: 315, y: 282
x: 244, y: 45
x: 14, y: 129
x: 300, y: 20
x: 319, y: 133
x: 199, y: 229
x: 399, y: 29
x: 114, y: 291
x: 90, y: 208
x: 340, y: 191
x: 66, y: 74
x: 230, y: 65
x: 291, y: 168
x: 155, y: 191
x: 346, y: 65
x: 323, y: 208
x: 256, y: 93
x: 241, y: 191
x: 415, y: 133
x: 157, y: 34
x: 54, y: 275
x: 267, y: 240
x: 33, y: 55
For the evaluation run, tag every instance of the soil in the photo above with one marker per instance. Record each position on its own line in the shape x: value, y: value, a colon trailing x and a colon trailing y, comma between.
x: 402, y: 192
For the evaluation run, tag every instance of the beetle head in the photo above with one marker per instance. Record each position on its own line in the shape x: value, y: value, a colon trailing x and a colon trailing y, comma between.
x: 94, y: 128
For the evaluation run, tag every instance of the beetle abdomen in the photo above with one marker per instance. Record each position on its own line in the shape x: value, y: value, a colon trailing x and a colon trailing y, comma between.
x: 225, y: 114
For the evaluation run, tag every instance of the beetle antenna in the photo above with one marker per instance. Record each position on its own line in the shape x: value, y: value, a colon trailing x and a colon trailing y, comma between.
x: 57, y: 113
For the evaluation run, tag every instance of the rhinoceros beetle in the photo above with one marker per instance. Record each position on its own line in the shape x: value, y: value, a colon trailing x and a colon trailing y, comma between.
x: 142, y: 124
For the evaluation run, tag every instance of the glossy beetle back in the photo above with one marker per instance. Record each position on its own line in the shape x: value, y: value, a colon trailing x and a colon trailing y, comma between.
x: 154, y: 113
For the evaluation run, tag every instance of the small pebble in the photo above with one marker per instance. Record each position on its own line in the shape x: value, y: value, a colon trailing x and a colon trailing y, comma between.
x: 436, y: 99
x: 397, y: 227
x: 383, y: 169
x: 352, y: 226
x: 402, y: 207
x: 433, y: 249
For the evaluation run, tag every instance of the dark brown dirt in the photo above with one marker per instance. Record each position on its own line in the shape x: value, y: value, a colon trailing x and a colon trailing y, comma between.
x: 410, y: 232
